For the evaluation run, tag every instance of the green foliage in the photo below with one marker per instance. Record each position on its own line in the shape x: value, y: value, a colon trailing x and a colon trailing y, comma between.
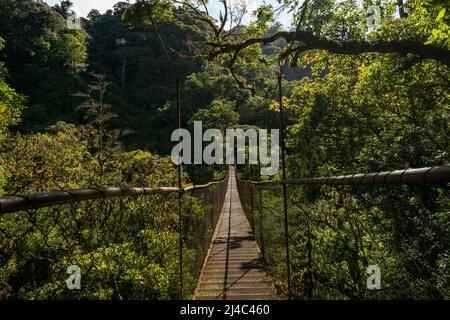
x: 137, y: 261
x: 440, y: 31
x: 264, y: 16
x: 64, y: 8
x: 127, y: 248
x: 143, y: 269
x: 141, y: 89
x: 140, y: 168
x: 252, y: 108
x: 355, y: 114
x: 148, y: 12
x: 62, y: 158
x: 11, y: 106
x: 43, y: 58
x: 47, y: 161
x: 372, y: 120
x: 368, y: 113
x: 11, y: 103
x: 221, y: 115
x: 72, y: 49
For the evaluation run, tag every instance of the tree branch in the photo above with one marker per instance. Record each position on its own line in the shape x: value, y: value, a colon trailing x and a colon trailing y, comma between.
x: 309, y: 40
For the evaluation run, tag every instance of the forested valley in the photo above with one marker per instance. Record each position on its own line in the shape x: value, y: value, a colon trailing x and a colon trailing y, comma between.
x: 95, y: 106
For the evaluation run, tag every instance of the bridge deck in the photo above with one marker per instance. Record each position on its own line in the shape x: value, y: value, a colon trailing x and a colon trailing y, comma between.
x: 233, y: 268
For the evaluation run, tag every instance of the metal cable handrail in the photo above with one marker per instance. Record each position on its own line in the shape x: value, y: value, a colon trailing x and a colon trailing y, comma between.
x: 10, y: 204
x: 263, y: 201
x: 429, y: 175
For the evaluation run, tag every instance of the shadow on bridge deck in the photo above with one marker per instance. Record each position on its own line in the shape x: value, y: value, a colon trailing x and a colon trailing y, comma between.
x: 233, y: 268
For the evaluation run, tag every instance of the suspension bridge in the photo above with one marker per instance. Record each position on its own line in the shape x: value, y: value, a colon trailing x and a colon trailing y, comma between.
x: 231, y: 239
x: 233, y: 268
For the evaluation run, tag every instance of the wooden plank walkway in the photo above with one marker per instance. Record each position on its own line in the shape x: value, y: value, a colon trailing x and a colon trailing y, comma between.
x: 233, y: 268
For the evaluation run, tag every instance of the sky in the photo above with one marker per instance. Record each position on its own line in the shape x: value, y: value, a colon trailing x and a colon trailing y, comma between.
x: 83, y: 7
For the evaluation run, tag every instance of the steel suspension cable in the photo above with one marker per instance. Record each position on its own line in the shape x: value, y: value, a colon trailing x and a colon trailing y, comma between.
x: 179, y: 168
x: 283, y: 164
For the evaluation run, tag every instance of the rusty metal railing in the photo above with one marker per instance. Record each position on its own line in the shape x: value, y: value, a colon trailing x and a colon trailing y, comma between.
x: 429, y: 175
x: 127, y: 242
x: 340, y: 225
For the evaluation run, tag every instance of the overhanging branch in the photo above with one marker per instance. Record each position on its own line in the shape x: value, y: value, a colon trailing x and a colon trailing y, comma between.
x: 309, y: 40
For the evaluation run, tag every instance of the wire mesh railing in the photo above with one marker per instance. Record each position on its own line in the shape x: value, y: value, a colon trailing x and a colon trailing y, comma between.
x: 372, y: 236
x: 201, y: 210
x: 125, y: 243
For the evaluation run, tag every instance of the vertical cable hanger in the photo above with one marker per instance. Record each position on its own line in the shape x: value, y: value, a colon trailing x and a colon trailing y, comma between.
x: 176, y: 76
x: 283, y: 164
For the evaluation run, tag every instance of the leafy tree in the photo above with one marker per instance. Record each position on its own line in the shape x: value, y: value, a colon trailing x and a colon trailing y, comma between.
x: 335, y: 26
x: 64, y: 8
x: 142, y: 87
x: 103, y: 142
x: 47, y: 161
x: 11, y: 106
x: 220, y: 115
x: 94, y: 14
x: 44, y: 58
x: 440, y: 32
x: 11, y: 103
x: 252, y: 108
